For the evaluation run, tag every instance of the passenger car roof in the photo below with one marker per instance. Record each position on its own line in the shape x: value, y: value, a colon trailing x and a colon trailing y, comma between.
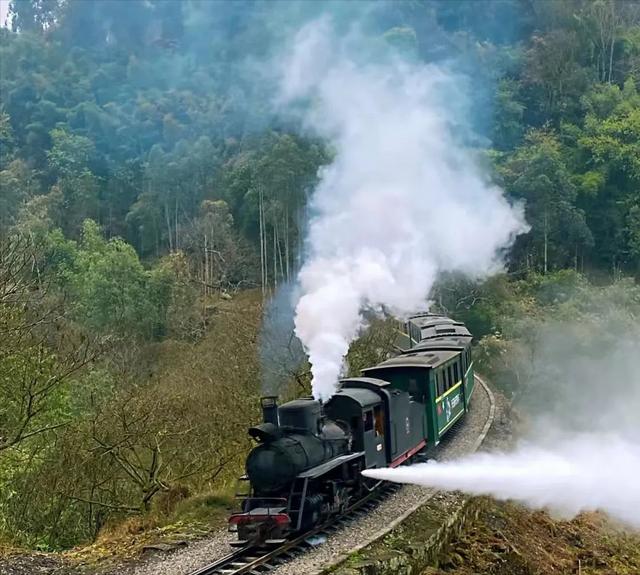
x: 413, y: 358
x: 441, y: 344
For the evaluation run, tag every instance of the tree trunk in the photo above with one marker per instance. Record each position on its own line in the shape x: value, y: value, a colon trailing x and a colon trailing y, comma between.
x: 168, y: 221
x: 275, y: 255
x: 603, y: 53
x: 206, y: 267
x: 546, y: 244
x: 262, y: 244
x: 286, y: 242
x: 175, y: 217
x: 282, y: 276
x: 613, y: 39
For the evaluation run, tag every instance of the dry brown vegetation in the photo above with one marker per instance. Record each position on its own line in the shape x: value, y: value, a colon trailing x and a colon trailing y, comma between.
x: 507, y: 539
x: 129, y: 433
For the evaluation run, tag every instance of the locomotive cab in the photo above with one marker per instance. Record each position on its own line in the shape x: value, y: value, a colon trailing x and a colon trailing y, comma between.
x: 364, y: 412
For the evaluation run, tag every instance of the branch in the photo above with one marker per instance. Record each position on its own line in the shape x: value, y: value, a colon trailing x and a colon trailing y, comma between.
x: 21, y: 436
x: 115, y: 507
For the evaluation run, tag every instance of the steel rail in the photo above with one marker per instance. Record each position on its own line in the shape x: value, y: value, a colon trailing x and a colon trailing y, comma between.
x: 249, y: 559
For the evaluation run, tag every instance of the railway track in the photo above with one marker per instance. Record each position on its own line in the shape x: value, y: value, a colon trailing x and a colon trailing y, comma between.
x: 254, y: 560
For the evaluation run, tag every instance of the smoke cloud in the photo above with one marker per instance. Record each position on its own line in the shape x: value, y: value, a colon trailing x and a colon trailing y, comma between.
x: 580, y: 395
x: 402, y: 200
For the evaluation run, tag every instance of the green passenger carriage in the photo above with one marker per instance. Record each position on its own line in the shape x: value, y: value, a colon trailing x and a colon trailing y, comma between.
x: 434, y: 366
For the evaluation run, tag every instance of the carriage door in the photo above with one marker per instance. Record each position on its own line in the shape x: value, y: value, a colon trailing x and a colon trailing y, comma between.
x: 374, y: 447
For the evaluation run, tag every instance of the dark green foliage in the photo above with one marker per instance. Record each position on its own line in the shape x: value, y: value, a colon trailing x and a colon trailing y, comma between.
x: 537, y: 173
x: 134, y: 113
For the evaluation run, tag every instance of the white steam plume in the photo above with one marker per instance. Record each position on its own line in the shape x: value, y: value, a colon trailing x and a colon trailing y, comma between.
x: 401, y: 201
x: 581, y: 403
x: 583, y: 473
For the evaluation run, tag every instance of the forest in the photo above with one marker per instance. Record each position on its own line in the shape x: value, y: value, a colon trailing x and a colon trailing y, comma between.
x: 152, y: 201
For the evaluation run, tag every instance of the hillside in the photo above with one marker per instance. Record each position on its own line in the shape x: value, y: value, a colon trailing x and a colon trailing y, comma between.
x: 176, y: 175
x: 506, y: 539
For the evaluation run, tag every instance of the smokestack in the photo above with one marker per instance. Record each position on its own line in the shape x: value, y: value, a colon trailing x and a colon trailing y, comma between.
x: 270, y: 409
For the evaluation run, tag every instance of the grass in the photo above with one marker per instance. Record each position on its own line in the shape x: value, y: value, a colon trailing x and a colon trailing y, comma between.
x: 192, y: 518
x: 208, y: 509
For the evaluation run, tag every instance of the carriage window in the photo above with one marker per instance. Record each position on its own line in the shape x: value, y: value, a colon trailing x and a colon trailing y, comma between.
x: 451, y: 381
x: 440, y: 382
x: 378, y: 420
x: 368, y: 420
x: 455, y: 373
x: 413, y: 387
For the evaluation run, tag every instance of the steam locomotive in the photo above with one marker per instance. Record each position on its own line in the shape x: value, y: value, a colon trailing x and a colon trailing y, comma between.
x: 307, y: 465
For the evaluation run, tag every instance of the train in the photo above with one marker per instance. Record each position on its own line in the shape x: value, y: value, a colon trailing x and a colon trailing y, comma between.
x: 307, y: 464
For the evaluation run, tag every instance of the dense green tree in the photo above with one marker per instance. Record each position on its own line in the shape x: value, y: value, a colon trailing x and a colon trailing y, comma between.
x: 271, y: 185
x: 33, y: 15
x: 612, y: 148
x: 538, y: 173
x: 36, y: 361
x: 17, y: 186
x: 508, y: 126
x: 111, y: 291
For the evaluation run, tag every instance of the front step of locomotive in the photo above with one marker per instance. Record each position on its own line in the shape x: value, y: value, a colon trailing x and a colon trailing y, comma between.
x: 268, y: 524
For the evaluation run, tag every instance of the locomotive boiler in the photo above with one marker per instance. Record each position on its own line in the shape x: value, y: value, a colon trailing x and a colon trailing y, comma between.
x: 292, y: 439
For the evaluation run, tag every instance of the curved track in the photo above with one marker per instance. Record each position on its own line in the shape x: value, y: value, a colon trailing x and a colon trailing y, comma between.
x: 254, y: 560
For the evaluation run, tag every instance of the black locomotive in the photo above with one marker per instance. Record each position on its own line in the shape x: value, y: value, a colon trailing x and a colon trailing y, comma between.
x: 308, y: 461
